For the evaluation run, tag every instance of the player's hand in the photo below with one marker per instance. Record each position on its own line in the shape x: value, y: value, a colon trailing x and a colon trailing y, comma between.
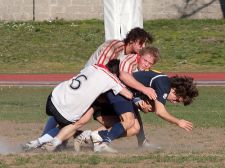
x: 145, y: 106
x: 188, y: 126
x: 150, y: 93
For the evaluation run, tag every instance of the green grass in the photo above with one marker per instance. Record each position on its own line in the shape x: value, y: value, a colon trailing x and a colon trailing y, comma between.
x: 153, y: 159
x: 64, y: 47
x: 206, y: 111
x: 23, y: 104
x: 28, y: 105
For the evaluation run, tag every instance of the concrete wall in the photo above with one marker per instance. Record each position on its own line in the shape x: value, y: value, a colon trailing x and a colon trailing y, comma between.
x: 93, y: 9
x: 198, y: 9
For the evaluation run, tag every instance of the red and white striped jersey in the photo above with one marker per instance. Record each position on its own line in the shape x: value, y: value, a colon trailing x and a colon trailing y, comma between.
x: 73, y: 97
x: 113, y: 49
x: 130, y: 63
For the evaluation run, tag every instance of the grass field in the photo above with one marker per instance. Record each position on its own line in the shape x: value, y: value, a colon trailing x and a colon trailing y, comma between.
x: 64, y: 47
x: 27, y: 104
x: 22, y: 117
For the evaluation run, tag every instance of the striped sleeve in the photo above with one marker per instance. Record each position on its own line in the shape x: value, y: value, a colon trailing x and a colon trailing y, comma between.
x: 110, y: 51
x: 129, y: 63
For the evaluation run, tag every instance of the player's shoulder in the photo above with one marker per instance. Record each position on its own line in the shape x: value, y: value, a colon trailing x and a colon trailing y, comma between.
x: 129, y: 58
x: 160, y: 79
x: 114, y: 42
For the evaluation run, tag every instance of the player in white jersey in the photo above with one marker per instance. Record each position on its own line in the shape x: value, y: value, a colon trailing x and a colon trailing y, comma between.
x: 70, y: 97
x: 70, y: 100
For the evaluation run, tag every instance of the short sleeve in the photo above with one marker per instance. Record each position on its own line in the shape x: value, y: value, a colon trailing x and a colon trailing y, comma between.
x: 162, y: 88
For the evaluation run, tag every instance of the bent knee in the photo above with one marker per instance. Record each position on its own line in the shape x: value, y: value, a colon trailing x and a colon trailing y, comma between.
x: 136, y: 128
x: 128, y: 120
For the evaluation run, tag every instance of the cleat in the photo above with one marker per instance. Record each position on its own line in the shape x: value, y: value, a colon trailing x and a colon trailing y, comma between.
x: 99, y: 145
x: 81, y: 138
x: 31, y: 145
x: 49, y: 147
x: 104, y: 147
x: 146, y: 144
x: 95, y: 137
x: 63, y: 146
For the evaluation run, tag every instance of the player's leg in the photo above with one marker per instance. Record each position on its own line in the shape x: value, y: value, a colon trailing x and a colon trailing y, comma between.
x: 45, y: 138
x: 61, y: 121
x: 104, y: 114
x: 119, y: 129
x: 124, y: 109
x: 141, y: 135
x: 142, y: 140
x: 49, y: 132
x: 68, y: 130
x: 51, y: 123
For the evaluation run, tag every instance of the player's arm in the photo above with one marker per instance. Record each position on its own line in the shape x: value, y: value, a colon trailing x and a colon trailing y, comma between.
x: 130, y: 81
x: 69, y: 130
x: 164, y: 114
x: 126, y: 93
x: 145, y: 105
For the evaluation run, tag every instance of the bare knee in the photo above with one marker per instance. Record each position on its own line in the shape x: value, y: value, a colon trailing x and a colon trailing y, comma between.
x: 134, y: 130
x: 128, y: 120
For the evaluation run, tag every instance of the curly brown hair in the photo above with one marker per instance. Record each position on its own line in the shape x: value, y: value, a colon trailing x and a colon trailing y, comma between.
x: 184, y: 87
x: 140, y: 34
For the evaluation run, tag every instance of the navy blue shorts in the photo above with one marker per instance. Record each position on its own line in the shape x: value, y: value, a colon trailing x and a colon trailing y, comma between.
x: 102, y: 109
x: 120, y: 104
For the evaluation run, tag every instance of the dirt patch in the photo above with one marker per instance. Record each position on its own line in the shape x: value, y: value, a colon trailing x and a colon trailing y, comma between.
x: 170, y: 138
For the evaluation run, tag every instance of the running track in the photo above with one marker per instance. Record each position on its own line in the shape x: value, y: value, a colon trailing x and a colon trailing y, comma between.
x: 53, y: 79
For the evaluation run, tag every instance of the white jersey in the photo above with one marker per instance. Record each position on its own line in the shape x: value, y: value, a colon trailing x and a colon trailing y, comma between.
x: 72, y: 98
x: 113, y: 49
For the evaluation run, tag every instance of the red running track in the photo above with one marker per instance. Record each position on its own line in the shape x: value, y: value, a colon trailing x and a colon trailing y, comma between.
x: 211, y: 78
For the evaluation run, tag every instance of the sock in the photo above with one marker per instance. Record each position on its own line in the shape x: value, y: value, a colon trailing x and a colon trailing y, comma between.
x: 56, y: 142
x: 48, y: 136
x: 51, y: 123
x: 116, y: 132
x: 141, y: 135
x: 35, y: 142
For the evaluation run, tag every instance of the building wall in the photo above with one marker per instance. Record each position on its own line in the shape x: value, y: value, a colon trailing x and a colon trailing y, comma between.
x: 14, y: 10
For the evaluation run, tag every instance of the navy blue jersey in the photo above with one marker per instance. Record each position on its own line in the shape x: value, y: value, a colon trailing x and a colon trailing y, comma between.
x: 158, y: 81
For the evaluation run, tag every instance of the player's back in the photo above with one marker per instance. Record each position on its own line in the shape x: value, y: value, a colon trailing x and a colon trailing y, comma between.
x: 74, y: 96
x: 145, y: 77
x: 112, y: 49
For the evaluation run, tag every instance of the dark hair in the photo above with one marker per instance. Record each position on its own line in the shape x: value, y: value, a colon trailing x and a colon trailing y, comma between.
x: 138, y: 33
x: 113, y: 66
x: 185, y: 88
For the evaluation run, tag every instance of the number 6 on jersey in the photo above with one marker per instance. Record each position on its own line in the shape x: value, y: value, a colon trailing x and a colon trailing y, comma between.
x: 76, y: 82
